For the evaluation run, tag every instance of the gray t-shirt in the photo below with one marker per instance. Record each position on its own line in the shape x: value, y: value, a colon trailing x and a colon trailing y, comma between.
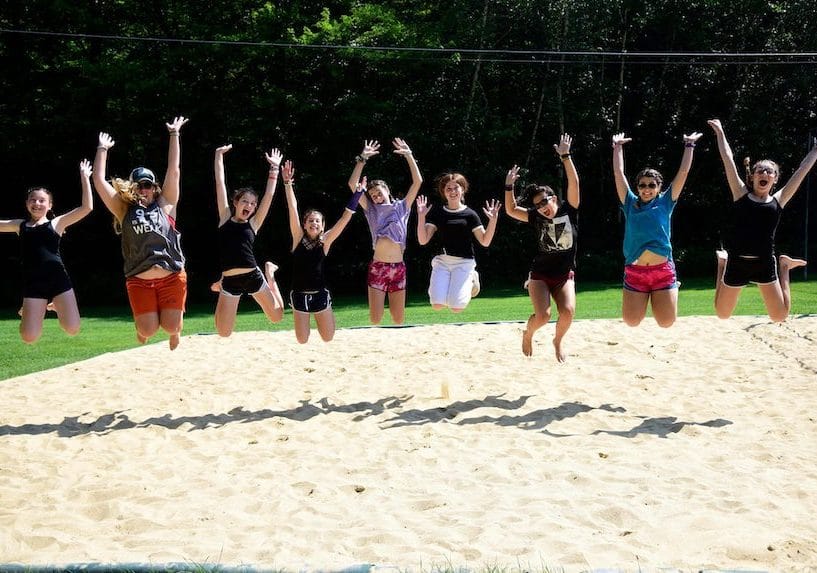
x: 149, y: 237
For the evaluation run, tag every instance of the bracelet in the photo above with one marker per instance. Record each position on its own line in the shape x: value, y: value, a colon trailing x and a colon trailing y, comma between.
x: 288, y: 182
x: 689, y: 144
x: 360, y: 159
x: 509, y: 187
x: 565, y: 155
x: 274, y: 168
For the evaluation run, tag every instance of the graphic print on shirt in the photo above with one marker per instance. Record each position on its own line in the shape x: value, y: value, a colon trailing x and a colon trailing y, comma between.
x: 556, y: 235
x: 149, y: 224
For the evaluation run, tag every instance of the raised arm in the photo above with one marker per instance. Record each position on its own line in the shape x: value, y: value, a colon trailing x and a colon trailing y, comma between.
x: 511, y: 207
x: 736, y: 185
x: 402, y: 148
x: 370, y: 149
x: 222, y: 202
x: 563, y: 151
x: 62, y: 222
x: 686, y: 162
x: 424, y: 230
x: 104, y: 189
x: 618, y: 165
x: 491, y: 210
x: 791, y: 186
x: 171, y: 185
x: 295, y: 229
x: 274, y: 158
x: 333, y: 233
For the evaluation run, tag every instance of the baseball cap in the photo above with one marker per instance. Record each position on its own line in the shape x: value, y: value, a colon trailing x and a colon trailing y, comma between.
x: 142, y: 174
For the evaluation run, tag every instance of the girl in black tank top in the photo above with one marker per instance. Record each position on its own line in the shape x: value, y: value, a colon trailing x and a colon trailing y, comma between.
x: 239, y: 221
x: 310, y: 244
x: 46, y: 285
x: 756, y: 211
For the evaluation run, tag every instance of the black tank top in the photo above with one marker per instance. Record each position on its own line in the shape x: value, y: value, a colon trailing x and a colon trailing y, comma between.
x: 753, y: 227
x: 307, y: 266
x: 39, y: 247
x: 235, y: 241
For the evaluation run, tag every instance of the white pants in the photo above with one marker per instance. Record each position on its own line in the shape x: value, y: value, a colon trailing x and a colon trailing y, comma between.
x: 451, y: 281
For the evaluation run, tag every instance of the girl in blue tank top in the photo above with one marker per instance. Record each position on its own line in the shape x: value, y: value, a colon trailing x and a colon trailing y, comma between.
x: 756, y: 210
x: 46, y: 285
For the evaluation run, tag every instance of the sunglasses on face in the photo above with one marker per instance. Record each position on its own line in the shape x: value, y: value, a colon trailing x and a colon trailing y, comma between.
x: 762, y: 170
x: 651, y: 185
x: 145, y: 185
x: 542, y: 203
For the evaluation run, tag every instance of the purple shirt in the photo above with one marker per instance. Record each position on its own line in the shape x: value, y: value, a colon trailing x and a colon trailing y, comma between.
x: 388, y: 220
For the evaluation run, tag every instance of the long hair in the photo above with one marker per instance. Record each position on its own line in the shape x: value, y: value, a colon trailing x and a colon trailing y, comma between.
x: 126, y: 189
x: 445, y: 178
x: 238, y: 194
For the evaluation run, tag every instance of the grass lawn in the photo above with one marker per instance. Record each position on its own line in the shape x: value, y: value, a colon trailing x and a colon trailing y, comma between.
x: 111, y: 329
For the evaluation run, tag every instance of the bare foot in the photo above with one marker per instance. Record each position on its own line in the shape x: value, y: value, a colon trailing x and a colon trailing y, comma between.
x: 270, y: 268
x: 527, y: 343
x: 475, y: 287
x: 50, y: 306
x: 721, y: 254
x: 560, y: 355
x: 20, y: 312
x: 173, y: 341
x: 787, y: 263
x: 216, y: 286
x: 141, y: 339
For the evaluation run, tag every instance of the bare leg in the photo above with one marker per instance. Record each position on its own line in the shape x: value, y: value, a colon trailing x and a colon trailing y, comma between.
x: 785, y: 265
x: 272, y: 308
x: 634, y: 306
x: 540, y: 298
x: 301, y: 320
x: 33, y: 314
x: 475, y: 287
x: 722, y: 256
x: 726, y: 297
x: 226, y: 309
x: 65, y: 305
x: 269, y: 272
x: 171, y: 322
x: 146, y: 326
x: 397, y: 306
x: 565, y: 299
x: 665, y: 306
x: 326, y: 324
x: 377, y: 303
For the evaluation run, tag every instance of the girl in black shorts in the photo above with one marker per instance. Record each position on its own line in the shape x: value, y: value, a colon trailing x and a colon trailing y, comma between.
x: 310, y: 245
x: 45, y: 282
x: 756, y: 210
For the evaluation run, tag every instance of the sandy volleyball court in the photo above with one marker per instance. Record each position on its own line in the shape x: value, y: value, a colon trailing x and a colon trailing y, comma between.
x: 692, y: 447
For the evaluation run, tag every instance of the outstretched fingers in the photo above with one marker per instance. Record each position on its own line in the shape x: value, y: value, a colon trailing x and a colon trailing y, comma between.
x: 620, y: 139
x: 85, y: 168
x: 177, y: 123
x: 274, y: 157
x: 491, y: 208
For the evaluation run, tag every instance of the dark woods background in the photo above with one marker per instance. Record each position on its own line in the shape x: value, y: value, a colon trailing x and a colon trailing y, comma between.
x: 477, y: 112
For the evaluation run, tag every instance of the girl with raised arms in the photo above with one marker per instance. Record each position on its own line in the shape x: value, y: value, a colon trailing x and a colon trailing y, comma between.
x: 310, y: 245
x: 454, y: 279
x: 388, y: 220
x: 239, y: 222
x: 46, y: 284
x: 145, y: 216
x: 555, y: 228
x: 756, y: 210
x: 649, y: 272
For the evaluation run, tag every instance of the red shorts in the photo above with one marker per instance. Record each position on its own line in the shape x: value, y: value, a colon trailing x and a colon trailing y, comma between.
x: 388, y: 277
x: 154, y: 295
x: 648, y: 278
x: 553, y: 283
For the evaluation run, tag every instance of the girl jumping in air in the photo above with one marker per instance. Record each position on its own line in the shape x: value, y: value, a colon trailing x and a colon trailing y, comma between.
x: 649, y: 272
x: 756, y: 210
x: 238, y: 225
x: 555, y: 227
x: 310, y: 245
x: 454, y: 280
x: 46, y: 284
x: 145, y: 215
x: 388, y: 220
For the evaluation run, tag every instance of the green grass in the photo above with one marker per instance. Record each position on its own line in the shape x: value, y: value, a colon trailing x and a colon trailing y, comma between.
x: 111, y: 329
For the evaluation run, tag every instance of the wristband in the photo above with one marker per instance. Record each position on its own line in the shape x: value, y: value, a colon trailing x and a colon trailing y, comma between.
x: 689, y: 144
x: 509, y: 187
x: 360, y: 159
x: 565, y: 155
x: 354, y: 200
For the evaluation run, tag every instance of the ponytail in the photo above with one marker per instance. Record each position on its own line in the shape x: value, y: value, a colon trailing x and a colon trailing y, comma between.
x: 747, y: 166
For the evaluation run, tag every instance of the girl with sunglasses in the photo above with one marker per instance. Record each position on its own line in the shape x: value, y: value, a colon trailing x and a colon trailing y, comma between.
x: 756, y: 210
x: 239, y: 222
x: 649, y: 272
x: 555, y: 226
x: 388, y: 222
x: 454, y: 279
x: 145, y: 215
x: 46, y: 285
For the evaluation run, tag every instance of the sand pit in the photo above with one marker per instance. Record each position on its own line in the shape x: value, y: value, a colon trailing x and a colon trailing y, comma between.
x: 692, y: 447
